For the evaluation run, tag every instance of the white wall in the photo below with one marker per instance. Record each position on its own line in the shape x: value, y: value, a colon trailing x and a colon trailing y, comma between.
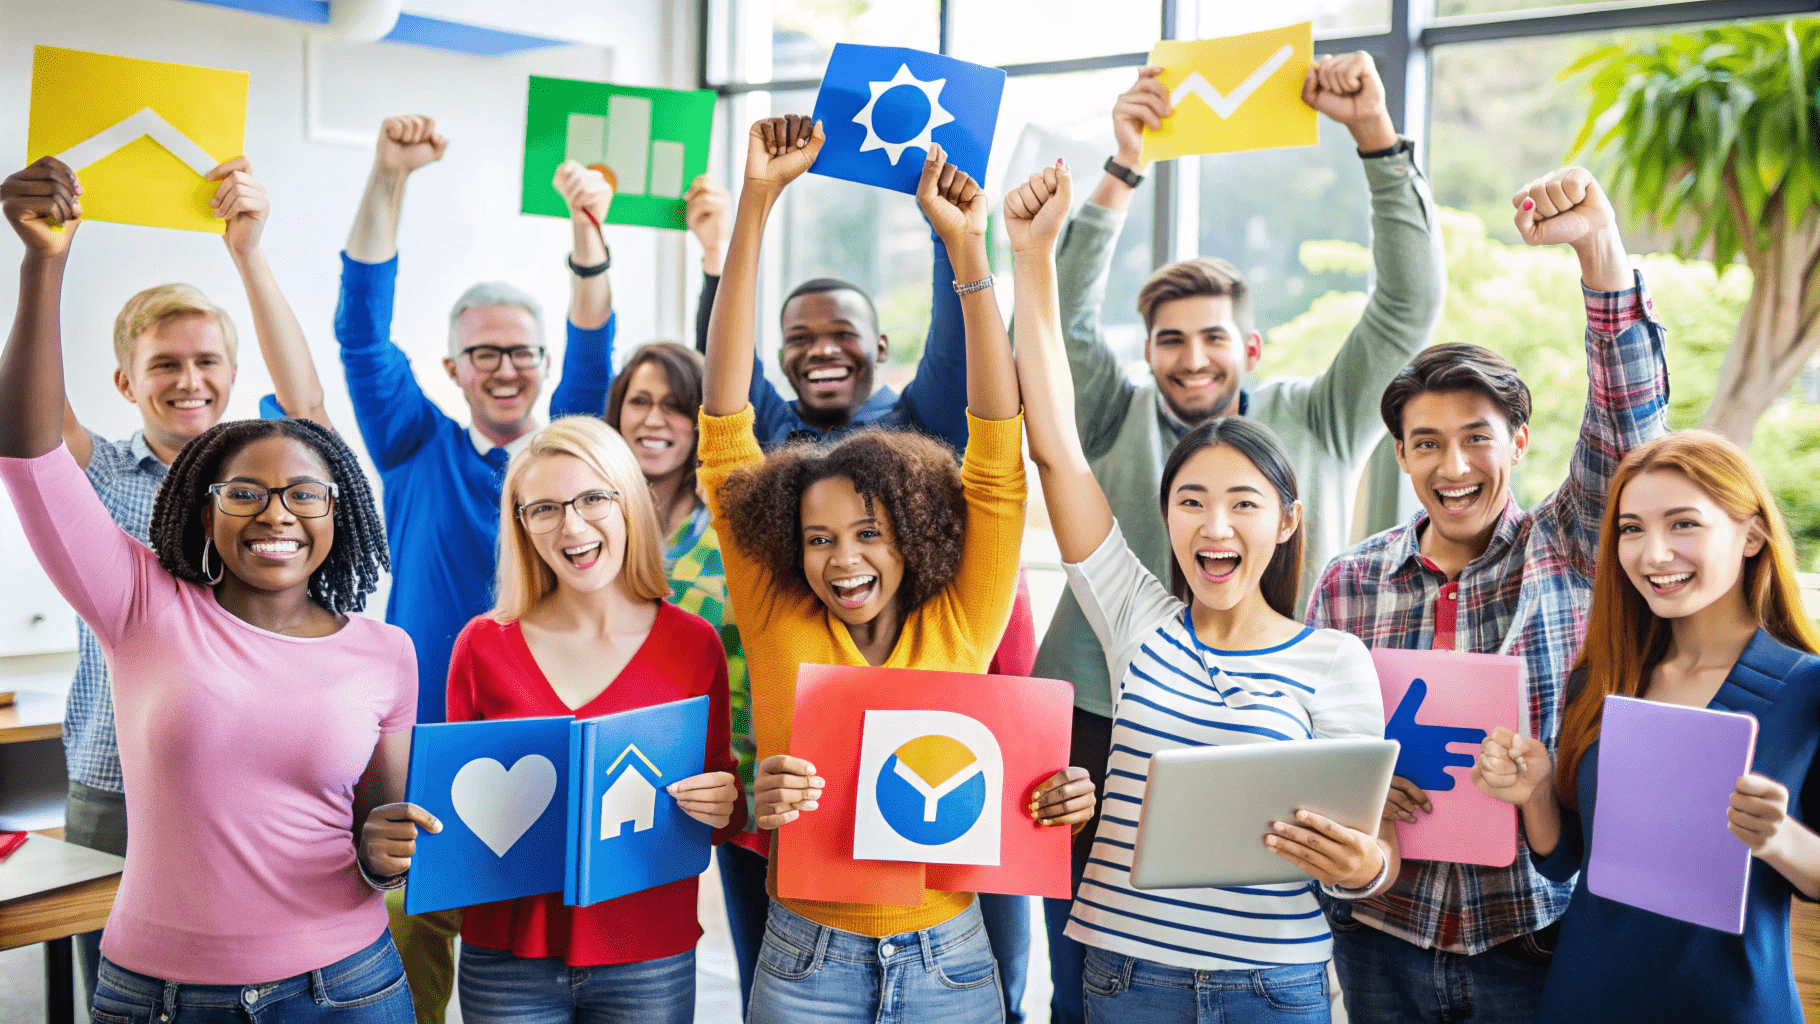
x: 461, y: 222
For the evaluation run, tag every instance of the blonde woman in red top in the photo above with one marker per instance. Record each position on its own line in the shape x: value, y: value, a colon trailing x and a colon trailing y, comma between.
x: 582, y: 627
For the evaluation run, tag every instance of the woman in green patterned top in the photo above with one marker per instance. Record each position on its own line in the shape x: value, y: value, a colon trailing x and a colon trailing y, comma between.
x: 653, y: 402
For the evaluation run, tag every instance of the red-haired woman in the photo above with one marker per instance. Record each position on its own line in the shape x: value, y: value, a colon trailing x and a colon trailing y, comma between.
x: 1695, y: 603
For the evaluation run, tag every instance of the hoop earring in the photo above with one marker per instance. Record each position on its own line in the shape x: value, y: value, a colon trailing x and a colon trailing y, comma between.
x: 213, y: 580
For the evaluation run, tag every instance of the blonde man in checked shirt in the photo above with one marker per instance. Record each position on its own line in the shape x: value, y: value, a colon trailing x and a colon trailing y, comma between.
x: 1474, y: 571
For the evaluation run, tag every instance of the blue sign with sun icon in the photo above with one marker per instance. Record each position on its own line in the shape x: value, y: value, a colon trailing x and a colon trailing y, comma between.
x: 881, y: 106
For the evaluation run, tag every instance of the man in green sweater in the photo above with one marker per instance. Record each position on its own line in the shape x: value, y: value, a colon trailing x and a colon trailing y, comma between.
x: 1201, y: 343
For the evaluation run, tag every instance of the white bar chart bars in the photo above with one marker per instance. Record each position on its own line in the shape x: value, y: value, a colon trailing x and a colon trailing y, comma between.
x: 622, y: 141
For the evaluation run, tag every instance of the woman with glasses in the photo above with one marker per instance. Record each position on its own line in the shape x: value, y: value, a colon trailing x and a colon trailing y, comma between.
x: 263, y: 729
x: 581, y: 627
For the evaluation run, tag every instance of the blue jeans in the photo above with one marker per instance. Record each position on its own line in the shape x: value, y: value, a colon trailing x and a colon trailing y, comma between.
x: 497, y: 987
x: 366, y: 988
x: 1122, y: 988
x: 742, y: 886
x: 812, y: 974
x: 1386, y: 980
x: 1008, y: 926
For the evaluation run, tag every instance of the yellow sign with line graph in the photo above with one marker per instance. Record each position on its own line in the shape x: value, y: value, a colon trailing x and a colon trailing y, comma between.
x: 1236, y: 93
x: 140, y: 134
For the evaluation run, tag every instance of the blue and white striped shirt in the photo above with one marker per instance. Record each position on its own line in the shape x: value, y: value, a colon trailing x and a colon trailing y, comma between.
x: 125, y: 475
x: 1174, y: 692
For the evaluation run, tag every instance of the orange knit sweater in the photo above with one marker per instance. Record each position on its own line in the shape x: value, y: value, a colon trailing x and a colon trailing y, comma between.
x: 956, y: 630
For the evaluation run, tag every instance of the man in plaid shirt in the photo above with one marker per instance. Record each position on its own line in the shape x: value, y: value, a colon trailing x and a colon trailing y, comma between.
x: 1474, y: 571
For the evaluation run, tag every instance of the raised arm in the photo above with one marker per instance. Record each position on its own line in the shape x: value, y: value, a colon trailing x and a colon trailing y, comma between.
x: 1409, y: 280
x: 956, y: 208
x: 1626, y: 347
x: 406, y: 143
x: 935, y: 403
x: 41, y: 204
x: 242, y: 201
x: 1078, y: 512
x: 587, y: 358
x: 709, y: 214
x: 778, y: 151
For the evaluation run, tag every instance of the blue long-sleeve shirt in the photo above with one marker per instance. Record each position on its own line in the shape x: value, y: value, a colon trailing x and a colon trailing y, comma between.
x: 441, y: 495
x: 1617, y: 962
x: 934, y: 403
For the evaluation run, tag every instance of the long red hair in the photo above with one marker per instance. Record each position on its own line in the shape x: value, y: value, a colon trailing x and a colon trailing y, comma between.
x: 1624, y: 639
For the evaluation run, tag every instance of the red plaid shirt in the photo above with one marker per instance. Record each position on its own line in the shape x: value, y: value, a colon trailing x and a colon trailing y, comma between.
x: 1536, y: 577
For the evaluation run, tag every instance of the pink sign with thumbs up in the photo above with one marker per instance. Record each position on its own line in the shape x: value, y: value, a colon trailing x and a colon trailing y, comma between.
x: 1440, y: 705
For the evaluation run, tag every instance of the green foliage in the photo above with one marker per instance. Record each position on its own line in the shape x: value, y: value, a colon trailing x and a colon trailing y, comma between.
x: 1706, y: 132
x: 1525, y: 304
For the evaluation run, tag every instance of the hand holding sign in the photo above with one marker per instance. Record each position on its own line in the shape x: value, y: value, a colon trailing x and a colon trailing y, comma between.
x: 1512, y: 767
x: 1065, y: 798
x: 1759, y: 816
x: 1142, y: 106
x: 783, y: 787
x: 708, y: 798
x: 41, y: 205
x: 242, y: 202
x: 584, y: 189
x: 388, y: 838
x: 954, y: 203
x: 1347, y: 89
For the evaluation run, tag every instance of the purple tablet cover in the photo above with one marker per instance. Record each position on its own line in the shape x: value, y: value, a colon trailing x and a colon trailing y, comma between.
x: 1659, y: 839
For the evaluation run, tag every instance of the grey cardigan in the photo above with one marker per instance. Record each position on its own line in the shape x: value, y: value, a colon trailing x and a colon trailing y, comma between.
x: 1329, y: 423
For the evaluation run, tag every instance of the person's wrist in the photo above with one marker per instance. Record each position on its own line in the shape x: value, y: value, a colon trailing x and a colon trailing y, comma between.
x: 968, y: 257
x: 713, y: 261
x: 1373, y: 133
x: 1604, y: 265
x: 1133, y: 159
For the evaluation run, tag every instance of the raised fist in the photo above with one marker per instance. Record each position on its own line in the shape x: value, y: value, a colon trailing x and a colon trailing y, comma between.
x: 1566, y: 207
x: 1142, y: 106
x: 951, y: 199
x: 1346, y: 88
x: 1036, y: 210
x: 583, y: 188
x: 409, y: 141
x: 780, y: 149
x: 40, y: 202
x: 241, y: 201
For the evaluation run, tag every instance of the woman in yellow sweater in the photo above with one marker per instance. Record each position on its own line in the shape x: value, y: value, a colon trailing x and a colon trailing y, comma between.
x: 872, y: 551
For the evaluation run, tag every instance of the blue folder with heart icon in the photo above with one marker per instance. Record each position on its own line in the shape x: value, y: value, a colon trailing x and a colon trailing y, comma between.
x: 546, y: 805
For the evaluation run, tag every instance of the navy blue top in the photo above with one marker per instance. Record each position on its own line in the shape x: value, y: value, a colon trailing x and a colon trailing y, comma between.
x: 441, y: 495
x: 1616, y: 962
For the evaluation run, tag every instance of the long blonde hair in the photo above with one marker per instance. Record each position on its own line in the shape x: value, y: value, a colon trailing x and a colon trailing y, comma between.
x: 1625, y: 640
x: 524, y: 580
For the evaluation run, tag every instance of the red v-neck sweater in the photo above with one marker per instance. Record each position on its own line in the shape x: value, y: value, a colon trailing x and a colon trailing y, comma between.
x: 493, y: 675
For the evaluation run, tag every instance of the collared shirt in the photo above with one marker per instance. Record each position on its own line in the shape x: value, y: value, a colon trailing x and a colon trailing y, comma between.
x: 484, y: 444
x: 126, y: 475
x: 1525, y: 595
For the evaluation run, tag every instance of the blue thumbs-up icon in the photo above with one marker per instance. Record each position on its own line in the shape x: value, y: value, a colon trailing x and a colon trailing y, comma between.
x: 1424, y: 757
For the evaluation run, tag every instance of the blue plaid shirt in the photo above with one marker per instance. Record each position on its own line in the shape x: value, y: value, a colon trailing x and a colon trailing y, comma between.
x: 1526, y: 595
x: 126, y: 475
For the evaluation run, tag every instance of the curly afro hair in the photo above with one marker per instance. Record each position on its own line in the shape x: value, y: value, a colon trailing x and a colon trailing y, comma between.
x: 351, y: 570
x: 911, y: 478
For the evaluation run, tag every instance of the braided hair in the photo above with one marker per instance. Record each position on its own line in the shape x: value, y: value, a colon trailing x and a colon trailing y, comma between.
x: 357, y: 556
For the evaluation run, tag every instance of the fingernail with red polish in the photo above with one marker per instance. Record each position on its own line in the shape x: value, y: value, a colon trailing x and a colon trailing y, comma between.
x: 1529, y: 204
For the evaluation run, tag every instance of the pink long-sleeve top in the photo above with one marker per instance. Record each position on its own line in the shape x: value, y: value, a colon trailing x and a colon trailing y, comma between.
x: 240, y: 750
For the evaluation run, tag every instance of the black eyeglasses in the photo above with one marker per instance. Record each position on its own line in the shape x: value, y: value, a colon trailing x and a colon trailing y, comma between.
x: 306, y: 499
x: 544, y: 516
x: 486, y: 357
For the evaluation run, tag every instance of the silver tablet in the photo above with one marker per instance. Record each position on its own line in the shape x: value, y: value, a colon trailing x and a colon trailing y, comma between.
x: 1207, y: 809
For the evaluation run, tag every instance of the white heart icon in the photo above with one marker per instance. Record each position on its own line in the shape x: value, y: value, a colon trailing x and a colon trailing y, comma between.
x: 499, y: 805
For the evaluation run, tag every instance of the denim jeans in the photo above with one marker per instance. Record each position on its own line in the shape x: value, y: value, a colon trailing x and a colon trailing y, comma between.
x: 365, y: 988
x: 1386, y: 980
x: 497, y: 987
x: 742, y: 887
x: 94, y: 818
x: 812, y: 974
x: 1008, y: 927
x: 1122, y: 988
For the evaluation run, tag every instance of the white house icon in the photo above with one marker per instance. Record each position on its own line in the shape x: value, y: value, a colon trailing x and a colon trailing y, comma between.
x: 631, y: 797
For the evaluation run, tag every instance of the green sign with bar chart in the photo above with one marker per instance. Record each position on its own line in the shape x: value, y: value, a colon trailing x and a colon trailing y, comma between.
x: 649, y: 142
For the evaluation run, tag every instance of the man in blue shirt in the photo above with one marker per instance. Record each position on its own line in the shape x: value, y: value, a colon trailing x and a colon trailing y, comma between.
x: 441, y: 479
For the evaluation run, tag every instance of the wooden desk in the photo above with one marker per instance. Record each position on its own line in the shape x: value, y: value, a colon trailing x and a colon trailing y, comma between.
x: 51, y: 890
x: 33, y: 715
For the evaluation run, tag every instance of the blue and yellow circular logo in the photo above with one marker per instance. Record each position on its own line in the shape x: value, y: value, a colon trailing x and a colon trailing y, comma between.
x: 931, y: 790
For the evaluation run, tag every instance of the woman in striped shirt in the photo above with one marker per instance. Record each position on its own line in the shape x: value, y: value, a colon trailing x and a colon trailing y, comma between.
x: 1216, y: 658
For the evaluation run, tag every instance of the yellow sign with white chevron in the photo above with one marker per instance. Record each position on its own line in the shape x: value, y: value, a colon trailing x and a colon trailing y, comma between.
x: 1236, y: 93
x: 140, y: 134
